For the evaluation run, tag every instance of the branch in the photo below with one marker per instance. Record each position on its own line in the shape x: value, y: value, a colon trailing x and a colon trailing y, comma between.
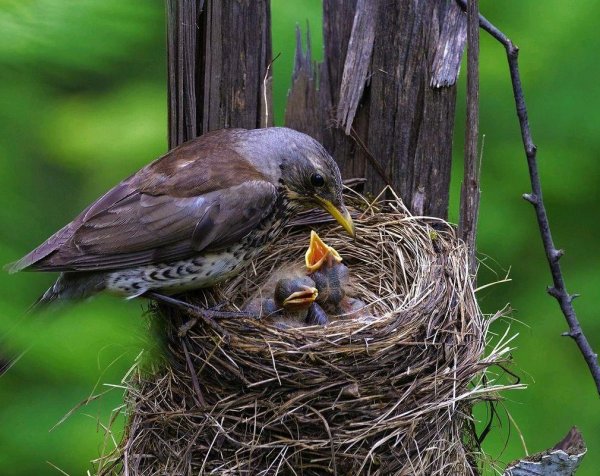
x: 470, y: 193
x: 558, y: 290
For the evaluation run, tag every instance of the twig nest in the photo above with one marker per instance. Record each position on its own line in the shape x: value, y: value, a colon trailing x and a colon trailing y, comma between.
x: 386, y: 392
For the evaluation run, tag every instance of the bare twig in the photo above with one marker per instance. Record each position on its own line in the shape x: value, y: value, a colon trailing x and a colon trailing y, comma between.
x: 198, y: 397
x: 558, y: 290
x: 469, y: 199
x: 265, y: 90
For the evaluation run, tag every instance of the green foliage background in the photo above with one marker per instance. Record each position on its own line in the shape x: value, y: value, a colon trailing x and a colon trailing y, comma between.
x: 83, y: 104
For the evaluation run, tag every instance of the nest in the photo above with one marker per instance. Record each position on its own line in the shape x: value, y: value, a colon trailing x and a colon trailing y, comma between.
x: 387, y: 394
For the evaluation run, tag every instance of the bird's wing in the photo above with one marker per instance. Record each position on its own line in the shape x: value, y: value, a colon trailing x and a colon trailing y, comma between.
x: 201, y: 195
x: 143, y: 229
x: 61, y: 238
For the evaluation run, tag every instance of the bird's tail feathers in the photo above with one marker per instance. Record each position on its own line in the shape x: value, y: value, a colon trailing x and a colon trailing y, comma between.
x: 69, y: 287
x: 51, y: 295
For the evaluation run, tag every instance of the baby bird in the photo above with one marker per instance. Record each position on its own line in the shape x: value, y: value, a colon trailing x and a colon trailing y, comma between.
x: 316, y: 316
x: 331, y: 277
x: 296, y: 299
x: 295, y: 294
x: 261, y: 307
x: 353, y: 307
x: 293, y: 300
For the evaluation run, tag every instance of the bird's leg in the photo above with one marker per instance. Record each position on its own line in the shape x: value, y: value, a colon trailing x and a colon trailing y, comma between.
x: 189, y: 308
x: 218, y: 307
x: 212, y: 313
x: 208, y: 315
x: 185, y: 327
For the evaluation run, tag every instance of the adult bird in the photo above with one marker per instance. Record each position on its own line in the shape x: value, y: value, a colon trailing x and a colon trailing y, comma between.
x: 191, y: 218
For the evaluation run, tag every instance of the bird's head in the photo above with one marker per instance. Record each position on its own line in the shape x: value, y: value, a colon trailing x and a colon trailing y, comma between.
x: 295, y: 294
x: 311, y: 177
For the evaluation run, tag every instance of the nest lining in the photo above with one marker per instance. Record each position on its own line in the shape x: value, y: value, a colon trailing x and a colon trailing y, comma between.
x: 389, y: 393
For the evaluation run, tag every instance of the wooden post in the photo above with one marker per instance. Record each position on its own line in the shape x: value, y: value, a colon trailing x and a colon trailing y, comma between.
x: 470, y: 193
x: 218, y: 54
x: 383, y: 101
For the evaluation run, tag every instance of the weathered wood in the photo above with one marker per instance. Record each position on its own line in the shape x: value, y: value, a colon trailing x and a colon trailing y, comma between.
x: 358, y: 59
x: 304, y: 111
x: 235, y: 38
x: 181, y: 61
x: 391, y: 125
x: 338, y: 21
x: 450, y: 48
x: 218, y: 54
x: 470, y: 193
x: 561, y: 460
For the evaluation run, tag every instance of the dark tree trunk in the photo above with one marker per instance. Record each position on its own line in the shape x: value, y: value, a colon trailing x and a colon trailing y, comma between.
x: 383, y: 102
x: 218, y: 54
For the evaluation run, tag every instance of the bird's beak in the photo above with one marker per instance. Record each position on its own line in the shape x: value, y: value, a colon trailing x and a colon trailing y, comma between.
x: 301, y: 299
x: 341, y: 215
x: 318, y: 253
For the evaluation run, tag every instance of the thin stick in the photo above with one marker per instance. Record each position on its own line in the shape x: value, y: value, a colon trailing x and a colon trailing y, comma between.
x: 265, y: 90
x: 199, y: 397
x: 558, y: 290
x: 470, y: 193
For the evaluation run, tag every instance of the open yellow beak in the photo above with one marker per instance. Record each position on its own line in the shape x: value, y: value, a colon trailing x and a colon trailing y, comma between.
x: 341, y: 215
x: 301, y: 299
x: 318, y: 253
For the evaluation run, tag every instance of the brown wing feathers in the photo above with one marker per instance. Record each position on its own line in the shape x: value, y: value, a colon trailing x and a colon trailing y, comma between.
x: 197, y: 196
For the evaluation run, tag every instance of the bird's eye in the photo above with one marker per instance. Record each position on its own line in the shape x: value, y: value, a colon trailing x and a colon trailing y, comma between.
x: 317, y: 180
